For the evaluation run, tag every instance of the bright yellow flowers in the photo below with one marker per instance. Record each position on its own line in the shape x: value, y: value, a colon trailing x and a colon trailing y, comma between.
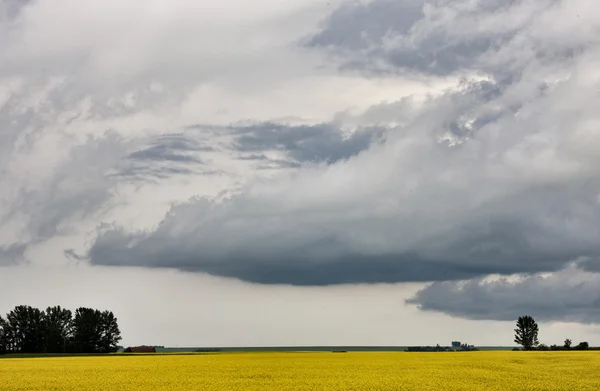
x: 504, y: 371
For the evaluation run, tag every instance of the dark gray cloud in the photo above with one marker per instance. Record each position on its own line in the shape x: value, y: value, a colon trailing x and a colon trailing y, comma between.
x: 358, y: 25
x: 296, y: 145
x: 322, y: 143
x: 590, y: 264
x: 525, y: 233
x: 569, y: 295
x: 173, y: 148
x: 437, y: 37
x: 294, y: 268
x: 167, y: 155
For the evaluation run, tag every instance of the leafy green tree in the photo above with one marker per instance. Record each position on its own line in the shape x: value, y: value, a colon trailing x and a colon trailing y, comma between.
x: 58, y: 325
x: 526, y: 333
x: 568, y: 343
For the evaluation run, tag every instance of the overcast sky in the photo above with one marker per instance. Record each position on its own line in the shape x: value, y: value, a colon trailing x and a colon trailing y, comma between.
x: 304, y: 172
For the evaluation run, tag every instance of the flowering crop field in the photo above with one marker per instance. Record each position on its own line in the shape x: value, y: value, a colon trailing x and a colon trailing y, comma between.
x: 308, y: 371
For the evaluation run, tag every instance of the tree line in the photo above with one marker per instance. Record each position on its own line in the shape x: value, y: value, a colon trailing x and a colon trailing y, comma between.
x: 27, y: 329
x: 526, y: 335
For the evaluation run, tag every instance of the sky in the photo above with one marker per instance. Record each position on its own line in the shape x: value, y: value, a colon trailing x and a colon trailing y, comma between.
x: 307, y: 172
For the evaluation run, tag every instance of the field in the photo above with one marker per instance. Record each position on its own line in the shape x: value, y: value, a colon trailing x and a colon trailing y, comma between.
x: 307, y: 371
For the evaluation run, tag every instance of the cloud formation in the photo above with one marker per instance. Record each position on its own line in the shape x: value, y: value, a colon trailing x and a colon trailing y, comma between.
x: 94, y: 107
x: 396, y: 141
x: 165, y: 156
x: 569, y: 295
x: 77, y: 189
x: 322, y: 143
x: 12, y: 254
x: 10, y: 9
x: 498, y: 175
x: 442, y: 37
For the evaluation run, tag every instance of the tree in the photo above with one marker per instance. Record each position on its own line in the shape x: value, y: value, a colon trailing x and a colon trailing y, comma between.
x: 29, y: 330
x: 568, y: 343
x: 3, y: 336
x: 582, y: 346
x: 58, y: 324
x: 526, y: 333
x: 25, y: 327
x: 86, y: 330
x: 110, y: 335
x: 95, y: 331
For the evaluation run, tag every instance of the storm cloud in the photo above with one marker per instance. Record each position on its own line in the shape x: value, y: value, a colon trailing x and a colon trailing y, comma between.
x: 454, y: 144
x: 569, y: 295
x: 275, y: 241
x: 496, y: 176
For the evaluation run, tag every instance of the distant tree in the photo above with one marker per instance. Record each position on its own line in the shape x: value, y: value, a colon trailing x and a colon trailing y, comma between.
x: 58, y: 325
x: 3, y: 336
x: 582, y: 346
x: 95, y: 331
x: 568, y: 343
x: 542, y: 347
x: 110, y: 335
x: 29, y: 330
x: 526, y: 333
x: 25, y: 328
x: 86, y: 330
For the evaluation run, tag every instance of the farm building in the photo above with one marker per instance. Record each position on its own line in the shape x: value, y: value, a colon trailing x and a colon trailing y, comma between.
x: 140, y: 349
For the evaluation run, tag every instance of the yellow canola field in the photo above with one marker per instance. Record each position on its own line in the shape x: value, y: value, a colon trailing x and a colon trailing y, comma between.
x: 308, y: 371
